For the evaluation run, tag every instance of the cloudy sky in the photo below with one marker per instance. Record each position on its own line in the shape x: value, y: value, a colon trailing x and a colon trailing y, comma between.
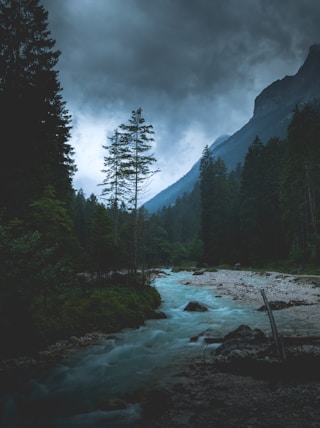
x: 193, y: 66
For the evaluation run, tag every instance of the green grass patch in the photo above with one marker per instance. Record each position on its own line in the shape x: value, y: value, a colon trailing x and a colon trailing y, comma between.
x: 106, y: 310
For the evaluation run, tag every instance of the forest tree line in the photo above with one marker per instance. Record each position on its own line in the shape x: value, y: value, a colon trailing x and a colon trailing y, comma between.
x: 266, y: 212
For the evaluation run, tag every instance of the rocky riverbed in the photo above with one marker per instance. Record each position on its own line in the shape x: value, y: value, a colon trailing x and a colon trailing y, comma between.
x: 206, y: 397
x: 244, y: 382
x: 300, y: 294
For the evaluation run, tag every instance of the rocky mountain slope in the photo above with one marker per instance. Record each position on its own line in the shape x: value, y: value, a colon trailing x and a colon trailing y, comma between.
x: 273, y: 111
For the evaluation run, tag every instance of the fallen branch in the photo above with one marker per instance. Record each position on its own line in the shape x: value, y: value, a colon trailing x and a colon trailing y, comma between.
x: 277, y: 339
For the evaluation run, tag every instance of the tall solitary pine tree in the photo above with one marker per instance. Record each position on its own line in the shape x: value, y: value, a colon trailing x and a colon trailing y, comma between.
x: 137, y: 167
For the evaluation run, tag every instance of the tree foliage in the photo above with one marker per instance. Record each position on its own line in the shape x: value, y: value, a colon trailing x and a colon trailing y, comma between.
x: 251, y: 209
x: 116, y: 183
x: 266, y: 211
x: 138, y: 165
x: 128, y: 167
x: 215, y: 203
x: 34, y: 122
x: 57, y: 245
x: 300, y: 184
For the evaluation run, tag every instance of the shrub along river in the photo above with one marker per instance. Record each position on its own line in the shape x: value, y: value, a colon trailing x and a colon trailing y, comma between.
x: 74, y: 392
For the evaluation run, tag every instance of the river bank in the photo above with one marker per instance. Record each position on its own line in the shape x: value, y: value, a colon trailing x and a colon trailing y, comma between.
x: 209, y: 394
x: 205, y: 397
x: 301, y: 293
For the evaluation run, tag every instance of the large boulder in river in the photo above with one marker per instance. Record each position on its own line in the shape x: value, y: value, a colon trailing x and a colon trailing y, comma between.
x: 157, y: 315
x: 195, y: 307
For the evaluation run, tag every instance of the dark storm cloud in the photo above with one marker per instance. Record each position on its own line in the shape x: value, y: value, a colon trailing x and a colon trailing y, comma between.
x: 175, y: 46
x: 195, y: 66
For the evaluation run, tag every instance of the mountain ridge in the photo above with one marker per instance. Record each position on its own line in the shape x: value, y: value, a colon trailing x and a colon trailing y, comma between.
x: 273, y: 110
x: 185, y: 183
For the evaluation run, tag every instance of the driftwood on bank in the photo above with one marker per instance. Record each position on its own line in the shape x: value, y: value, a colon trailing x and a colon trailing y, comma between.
x: 278, y: 340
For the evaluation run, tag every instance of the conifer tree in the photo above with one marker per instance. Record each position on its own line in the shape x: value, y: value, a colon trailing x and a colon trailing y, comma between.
x: 102, y: 241
x: 271, y: 224
x: 207, y: 201
x: 137, y: 167
x: 215, y: 203
x: 138, y: 137
x: 252, y: 200
x: 34, y: 123
x: 300, y: 184
x: 116, y: 184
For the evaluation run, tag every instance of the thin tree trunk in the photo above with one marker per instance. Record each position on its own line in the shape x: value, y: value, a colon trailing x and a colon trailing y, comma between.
x: 135, y: 219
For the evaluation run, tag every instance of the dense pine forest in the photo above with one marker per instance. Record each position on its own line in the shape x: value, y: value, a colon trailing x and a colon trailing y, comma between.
x: 72, y: 263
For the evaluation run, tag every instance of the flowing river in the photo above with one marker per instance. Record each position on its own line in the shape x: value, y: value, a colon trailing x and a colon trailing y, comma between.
x: 71, y: 394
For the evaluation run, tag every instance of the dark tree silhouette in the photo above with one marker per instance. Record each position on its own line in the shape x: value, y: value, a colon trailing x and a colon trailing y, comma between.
x: 34, y: 123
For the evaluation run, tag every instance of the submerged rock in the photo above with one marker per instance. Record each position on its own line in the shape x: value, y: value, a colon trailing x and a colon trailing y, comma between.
x: 195, y: 307
x: 157, y: 315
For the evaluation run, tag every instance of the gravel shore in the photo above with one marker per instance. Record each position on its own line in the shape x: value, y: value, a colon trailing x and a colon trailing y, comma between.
x: 246, y: 286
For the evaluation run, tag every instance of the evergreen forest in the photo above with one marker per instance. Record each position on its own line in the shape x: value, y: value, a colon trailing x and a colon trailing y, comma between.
x: 72, y: 263
x: 263, y: 214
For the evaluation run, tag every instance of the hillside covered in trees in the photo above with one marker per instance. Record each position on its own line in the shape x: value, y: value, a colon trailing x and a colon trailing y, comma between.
x: 264, y: 213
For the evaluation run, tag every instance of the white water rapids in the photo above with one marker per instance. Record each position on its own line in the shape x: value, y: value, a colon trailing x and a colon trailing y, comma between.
x: 70, y: 394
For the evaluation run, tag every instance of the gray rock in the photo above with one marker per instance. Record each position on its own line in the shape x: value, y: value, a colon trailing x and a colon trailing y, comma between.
x: 195, y: 307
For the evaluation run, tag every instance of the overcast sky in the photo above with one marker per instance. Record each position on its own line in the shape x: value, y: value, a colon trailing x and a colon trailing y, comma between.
x: 193, y: 66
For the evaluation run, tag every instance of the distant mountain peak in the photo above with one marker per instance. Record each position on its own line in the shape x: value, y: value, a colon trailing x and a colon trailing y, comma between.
x: 312, y: 62
x: 299, y: 88
x: 314, y: 48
